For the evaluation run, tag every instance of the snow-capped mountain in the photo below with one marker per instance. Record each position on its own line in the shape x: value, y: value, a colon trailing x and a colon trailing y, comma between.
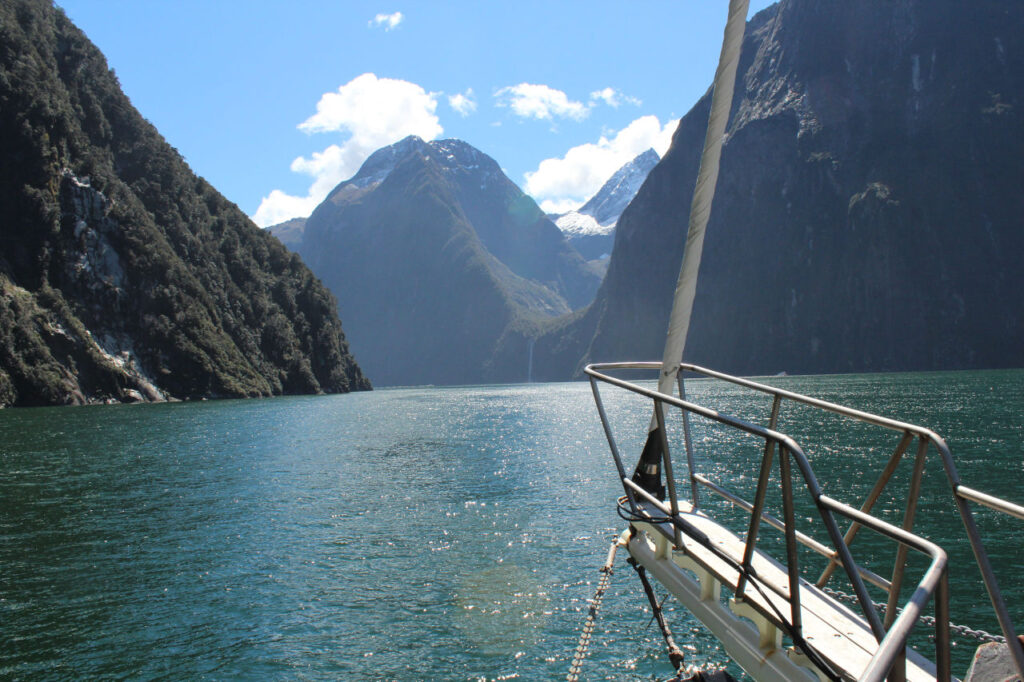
x: 456, y: 158
x: 591, y: 228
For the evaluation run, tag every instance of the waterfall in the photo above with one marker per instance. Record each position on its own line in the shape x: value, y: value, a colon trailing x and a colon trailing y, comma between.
x: 529, y: 363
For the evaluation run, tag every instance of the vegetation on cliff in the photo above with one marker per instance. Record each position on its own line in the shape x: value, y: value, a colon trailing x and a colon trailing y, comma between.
x: 122, y: 274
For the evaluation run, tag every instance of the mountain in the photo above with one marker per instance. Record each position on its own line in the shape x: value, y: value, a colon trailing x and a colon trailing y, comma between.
x: 123, y: 276
x: 441, y: 265
x: 591, y: 228
x: 289, y: 232
x: 868, y: 210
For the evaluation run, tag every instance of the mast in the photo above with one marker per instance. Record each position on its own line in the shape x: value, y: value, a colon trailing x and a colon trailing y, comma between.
x: 647, y: 473
x: 700, y: 208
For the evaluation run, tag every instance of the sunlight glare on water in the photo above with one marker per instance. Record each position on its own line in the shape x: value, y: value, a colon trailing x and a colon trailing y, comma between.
x: 400, y: 534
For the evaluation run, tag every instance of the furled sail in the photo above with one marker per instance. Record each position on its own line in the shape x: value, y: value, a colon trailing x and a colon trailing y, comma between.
x: 647, y: 473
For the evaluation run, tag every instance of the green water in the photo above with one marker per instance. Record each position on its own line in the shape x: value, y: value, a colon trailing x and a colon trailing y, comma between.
x: 407, y: 534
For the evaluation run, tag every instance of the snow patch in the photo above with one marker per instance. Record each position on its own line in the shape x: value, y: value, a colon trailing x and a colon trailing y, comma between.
x: 574, y: 223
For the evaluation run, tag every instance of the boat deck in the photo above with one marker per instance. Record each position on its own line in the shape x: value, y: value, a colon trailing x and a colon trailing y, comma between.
x: 838, y: 634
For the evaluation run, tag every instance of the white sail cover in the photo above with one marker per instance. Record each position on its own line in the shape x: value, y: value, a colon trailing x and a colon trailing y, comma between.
x: 700, y: 209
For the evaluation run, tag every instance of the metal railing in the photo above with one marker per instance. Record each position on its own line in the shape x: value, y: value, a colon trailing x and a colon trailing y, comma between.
x: 891, y: 634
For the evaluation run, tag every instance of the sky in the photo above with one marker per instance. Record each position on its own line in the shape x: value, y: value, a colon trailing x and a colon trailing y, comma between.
x: 274, y: 103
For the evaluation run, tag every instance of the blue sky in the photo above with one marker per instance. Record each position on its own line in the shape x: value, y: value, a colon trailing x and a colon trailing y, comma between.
x: 274, y: 103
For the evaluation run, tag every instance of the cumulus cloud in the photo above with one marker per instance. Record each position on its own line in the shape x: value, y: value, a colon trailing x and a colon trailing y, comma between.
x: 371, y: 113
x: 562, y: 184
x: 559, y: 206
x: 528, y: 100
x: 613, y: 98
x: 464, y: 102
x: 388, y: 21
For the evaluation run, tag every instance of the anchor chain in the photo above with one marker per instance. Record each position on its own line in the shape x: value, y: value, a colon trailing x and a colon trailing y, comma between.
x: 595, y: 606
x: 962, y: 630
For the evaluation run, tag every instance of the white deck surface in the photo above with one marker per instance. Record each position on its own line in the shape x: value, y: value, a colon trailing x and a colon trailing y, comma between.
x: 840, y: 636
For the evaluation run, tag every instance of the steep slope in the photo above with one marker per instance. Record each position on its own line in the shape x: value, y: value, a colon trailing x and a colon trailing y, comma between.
x: 123, y: 276
x: 424, y: 299
x: 591, y: 228
x: 511, y: 225
x: 441, y: 265
x: 289, y: 232
x: 868, y: 209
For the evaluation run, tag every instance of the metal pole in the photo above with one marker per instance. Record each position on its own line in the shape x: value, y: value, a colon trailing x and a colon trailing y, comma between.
x: 659, y: 414
x: 689, y: 444
x: 981, y: 556
x: 943, y: 668
x: 791, y: 550
x: 873, y: 496
x: 755, y: 514
x: 611, y: 442
x: 900, y: 565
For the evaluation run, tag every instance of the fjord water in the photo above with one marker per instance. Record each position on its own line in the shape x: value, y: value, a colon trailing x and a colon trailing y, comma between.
x: 448, y: 533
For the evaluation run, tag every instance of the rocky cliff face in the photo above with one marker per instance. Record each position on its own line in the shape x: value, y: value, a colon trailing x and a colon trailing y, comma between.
x: 441, y: 265
x: 123, y: 276
x: 868, y: 213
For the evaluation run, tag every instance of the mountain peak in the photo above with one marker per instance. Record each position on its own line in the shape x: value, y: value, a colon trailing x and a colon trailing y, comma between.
x: 611, y: 200
x: 590, y: 228
x: 433, y: 252
x: 452, y: 156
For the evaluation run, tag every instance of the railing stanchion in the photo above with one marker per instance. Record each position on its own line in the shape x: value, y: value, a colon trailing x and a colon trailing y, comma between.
x: 611, y: 441
x: 670, y: 479
x: 755, y: 515
x: 689, y: 443
x: 943, y: 667
x: 900, y: 565
x: 789, y: 518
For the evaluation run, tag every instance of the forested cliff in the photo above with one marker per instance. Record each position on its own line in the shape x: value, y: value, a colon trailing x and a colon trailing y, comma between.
x: 123, y: 275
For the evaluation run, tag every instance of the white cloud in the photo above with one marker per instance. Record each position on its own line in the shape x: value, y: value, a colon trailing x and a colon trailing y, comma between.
x: 373, y: 107
x: 278, y: 207
x: 528, y: 100
x: 559, y: 205
x: 388, y: 21
x: 372, y: 112
x: 612, y: 98
x: 464, y: 102
x: 574, y: 178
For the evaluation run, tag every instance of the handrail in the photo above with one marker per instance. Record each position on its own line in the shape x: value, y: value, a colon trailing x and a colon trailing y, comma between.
x: 990, y: 501
x: 802, y: 538
x: 935, y: 579
x: 892, y: 645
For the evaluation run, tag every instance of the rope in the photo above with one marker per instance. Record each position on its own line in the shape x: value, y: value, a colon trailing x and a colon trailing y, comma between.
x: 961, y: 630
x: 595, y: 606
x: 675, y: 654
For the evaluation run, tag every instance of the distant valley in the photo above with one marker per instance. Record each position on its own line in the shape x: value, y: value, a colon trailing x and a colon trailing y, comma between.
x: 867, y: 218
x: 442, y: 267
x: 869, y: 175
